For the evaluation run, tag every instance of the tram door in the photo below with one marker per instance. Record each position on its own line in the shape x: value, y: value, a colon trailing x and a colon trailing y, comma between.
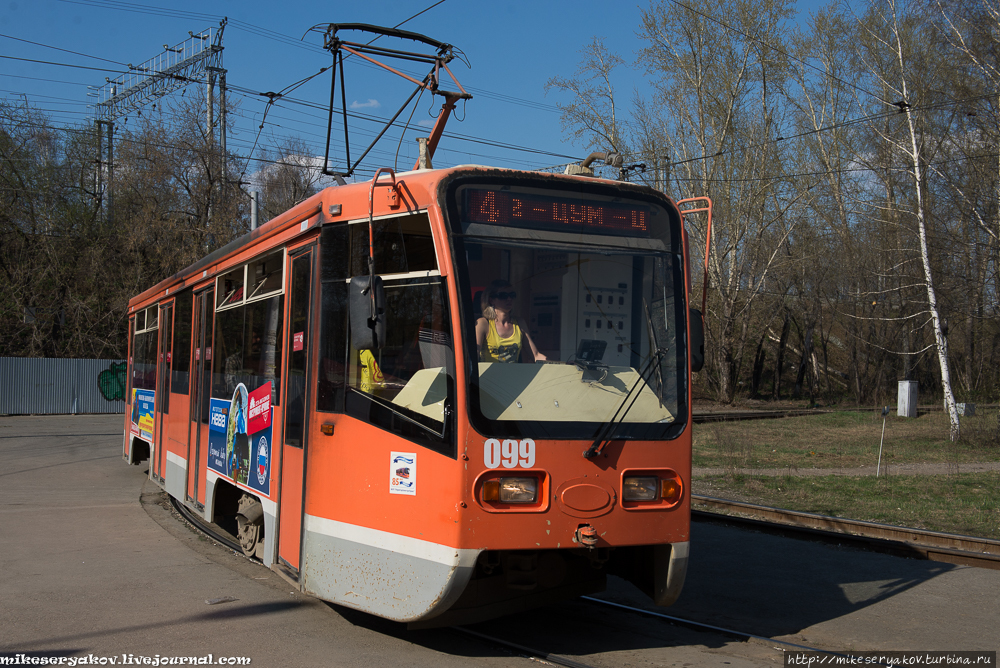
x: 295, y: 396
x: 162, y: 392
x: 203, y: 321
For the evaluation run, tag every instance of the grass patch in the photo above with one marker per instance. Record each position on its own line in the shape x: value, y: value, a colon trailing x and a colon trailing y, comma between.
x: 968, y: 503
x: 845, y: 439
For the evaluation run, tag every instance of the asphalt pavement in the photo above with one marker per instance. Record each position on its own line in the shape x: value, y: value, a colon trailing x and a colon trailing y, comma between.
x: 94, y: 563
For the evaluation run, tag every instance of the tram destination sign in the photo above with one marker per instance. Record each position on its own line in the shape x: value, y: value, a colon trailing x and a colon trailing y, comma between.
x: 501, y: 207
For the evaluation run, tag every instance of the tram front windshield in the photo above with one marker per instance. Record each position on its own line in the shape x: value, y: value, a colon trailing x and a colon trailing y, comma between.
x: 574, y: 312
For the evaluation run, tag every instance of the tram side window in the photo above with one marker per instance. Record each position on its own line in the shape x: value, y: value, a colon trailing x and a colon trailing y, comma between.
x: 412, y: 375
x: 180, y: 369
x: 131, y: 350
x: 330, y: 383
x: 263, y: 333
x: 144, y: 345
x: 401, y: 245
x: 248, y: 343
x: 249, y: 325
x: 227, y: 353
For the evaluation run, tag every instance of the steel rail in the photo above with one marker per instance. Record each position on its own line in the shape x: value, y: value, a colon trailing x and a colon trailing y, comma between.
x: 737, y: 416
x: 915, y: 543
x: 700, y: 626
x: 537, y: 653
x: 222, y: 538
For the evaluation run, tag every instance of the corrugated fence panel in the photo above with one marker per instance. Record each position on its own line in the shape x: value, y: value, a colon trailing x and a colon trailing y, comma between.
x: 34, y: 386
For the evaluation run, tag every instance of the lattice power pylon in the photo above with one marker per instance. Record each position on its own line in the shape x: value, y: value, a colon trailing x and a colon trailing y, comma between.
x: 197, y: 59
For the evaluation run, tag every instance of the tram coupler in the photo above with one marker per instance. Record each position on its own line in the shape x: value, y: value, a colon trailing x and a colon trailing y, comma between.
x: 586, y: 535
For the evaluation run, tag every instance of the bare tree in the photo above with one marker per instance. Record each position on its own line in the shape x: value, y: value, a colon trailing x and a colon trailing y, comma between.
x: 718, y: 96
x: 592, y: 117
x: 889, y: 50
x: 290, y: 176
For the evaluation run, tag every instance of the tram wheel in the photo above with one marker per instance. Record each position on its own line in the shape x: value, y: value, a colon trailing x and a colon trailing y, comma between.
x: 250, y: 523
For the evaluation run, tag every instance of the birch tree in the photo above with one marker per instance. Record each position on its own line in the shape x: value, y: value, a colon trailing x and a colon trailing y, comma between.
x: 718, y: 92
x: 888, y: 49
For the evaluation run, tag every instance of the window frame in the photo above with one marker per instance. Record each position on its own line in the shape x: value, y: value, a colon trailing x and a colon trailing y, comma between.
x: 245, y: 268
x: 371, y: 409
x: 451, y: 202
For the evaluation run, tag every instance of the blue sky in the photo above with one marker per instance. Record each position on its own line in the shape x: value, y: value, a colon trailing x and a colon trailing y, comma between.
x: 513, y: 48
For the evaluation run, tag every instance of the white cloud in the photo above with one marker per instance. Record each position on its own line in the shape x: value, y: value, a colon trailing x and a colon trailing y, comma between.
x: 426, y: 123
x: 370, y: 104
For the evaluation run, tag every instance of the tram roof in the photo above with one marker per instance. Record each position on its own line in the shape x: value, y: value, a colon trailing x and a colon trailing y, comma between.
x: 420, y: 185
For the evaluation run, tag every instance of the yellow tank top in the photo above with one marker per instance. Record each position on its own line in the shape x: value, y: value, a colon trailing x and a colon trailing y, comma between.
x: 371, y: 374
x: 501, y: 350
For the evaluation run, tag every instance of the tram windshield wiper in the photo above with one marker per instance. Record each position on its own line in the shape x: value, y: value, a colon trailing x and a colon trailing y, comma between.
x: 652, y: 338
x: 619, y: 416
x: 653, y: 367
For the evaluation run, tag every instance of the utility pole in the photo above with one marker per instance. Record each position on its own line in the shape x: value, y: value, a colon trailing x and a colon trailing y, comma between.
x: 198, y: 58
x: 216, y: 75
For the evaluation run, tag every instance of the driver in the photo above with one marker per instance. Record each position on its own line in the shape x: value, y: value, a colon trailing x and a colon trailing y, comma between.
x: 498, y: 335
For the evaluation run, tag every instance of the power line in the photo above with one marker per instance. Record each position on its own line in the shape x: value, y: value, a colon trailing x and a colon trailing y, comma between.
x: 445, y: 150
x: 56, y: 48
x: 49, y: 62
x: 288, y: 89
x: 57, y: 81
x: 126, y: 139
x: 828, y: 128
x: 377, y: 119
x: 291, y: 41
x: 422, y: 11
x: 180, y: 14
x: 56, y: 100
x: 830, y: 172
x: 771, y: 46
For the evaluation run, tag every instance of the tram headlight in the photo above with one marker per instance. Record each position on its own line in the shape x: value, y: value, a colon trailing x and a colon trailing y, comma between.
x: 640, y: 488
x: 511, y: 490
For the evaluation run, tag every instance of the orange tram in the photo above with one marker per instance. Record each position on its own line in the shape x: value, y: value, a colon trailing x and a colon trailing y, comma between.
x: 319, y: 386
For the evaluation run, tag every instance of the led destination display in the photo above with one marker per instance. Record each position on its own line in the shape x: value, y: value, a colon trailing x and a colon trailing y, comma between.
x: 499, y: 207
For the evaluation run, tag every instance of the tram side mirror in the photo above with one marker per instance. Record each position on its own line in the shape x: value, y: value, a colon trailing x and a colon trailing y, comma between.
x: 367, y: 328
x: 697, y: 339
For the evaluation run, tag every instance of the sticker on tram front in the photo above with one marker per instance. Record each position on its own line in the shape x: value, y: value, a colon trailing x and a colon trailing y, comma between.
x: 403, y: 473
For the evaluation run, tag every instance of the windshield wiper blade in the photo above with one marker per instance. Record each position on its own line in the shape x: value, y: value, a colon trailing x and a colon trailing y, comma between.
x: 598, y: 445
x: 652, y: 337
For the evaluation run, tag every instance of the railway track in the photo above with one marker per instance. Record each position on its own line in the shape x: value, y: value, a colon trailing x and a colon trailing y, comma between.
x: 903, y: 541
x: 214, y: 532
x: 221, y: 537
x: 907, y: 542
x: 737, y: 416
x: 561, y: 660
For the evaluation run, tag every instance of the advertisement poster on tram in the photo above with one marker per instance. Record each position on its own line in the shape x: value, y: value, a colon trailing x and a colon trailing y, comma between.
x: 239, y: 437
x: 142, y: 413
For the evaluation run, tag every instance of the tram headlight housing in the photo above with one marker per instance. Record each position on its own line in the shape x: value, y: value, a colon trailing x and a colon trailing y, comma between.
x: 651, y: 489
x: 511, y: 490
x: 640, y: 488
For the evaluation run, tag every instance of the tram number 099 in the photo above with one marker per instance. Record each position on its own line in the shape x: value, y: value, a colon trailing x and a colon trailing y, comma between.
x: 510, y: 453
